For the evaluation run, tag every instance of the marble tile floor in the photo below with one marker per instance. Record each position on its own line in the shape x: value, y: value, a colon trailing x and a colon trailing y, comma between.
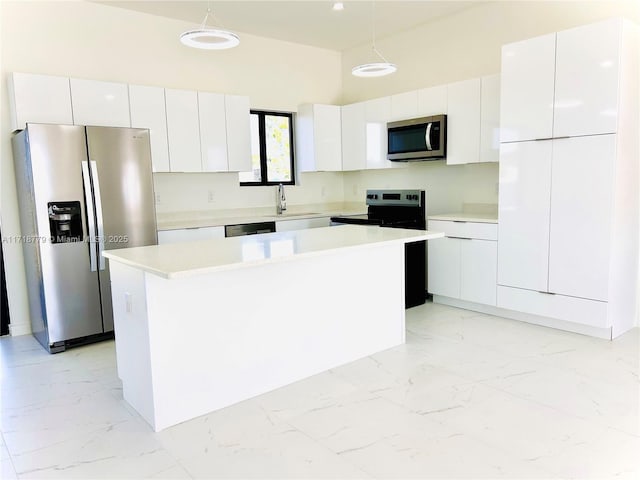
x: 468, y: 396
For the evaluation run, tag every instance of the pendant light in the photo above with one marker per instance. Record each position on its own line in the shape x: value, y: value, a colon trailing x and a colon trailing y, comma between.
x: 375, y: 69
x: 209, y: 38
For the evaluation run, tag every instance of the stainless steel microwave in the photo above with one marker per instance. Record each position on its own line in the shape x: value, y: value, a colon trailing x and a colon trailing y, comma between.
x: 417, y: 139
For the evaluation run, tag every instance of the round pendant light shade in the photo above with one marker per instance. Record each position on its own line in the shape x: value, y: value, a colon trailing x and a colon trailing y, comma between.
x: 210, y: 39
x: 379, y: 69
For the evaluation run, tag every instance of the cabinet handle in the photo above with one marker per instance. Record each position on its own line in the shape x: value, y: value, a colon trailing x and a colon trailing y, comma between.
x: 461, y: 238
x: 546, y: 293
x: 192, y: 228
x: 459, y: 221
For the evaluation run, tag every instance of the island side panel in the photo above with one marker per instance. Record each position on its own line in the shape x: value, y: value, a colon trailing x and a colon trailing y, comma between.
x: 131, y: 327
x: 220, y: 338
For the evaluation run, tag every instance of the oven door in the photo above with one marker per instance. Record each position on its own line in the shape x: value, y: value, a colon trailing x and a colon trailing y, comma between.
x: 417, y: 139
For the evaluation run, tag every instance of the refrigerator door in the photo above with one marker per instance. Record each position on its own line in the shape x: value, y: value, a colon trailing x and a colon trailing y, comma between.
x: 120, y: 161
x: 71, y: 306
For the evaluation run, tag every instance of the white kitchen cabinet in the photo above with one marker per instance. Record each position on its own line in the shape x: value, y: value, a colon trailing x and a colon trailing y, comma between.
x: 404, y: 106
x: 524, y: 209
x: 302, y: 224
x: 38, y: 99
x: 319, y: 138
x: 189, y: 234
x: 147, y: 108
x: 432, y: 101
x: 238, y: 116
x: 463, y: 122
x: 490, y: 118
x: 527, y: 89
x: 443, y: 266
x: 377, y: 113
x: 580, y: 224
x: 354, y: 137
x: 183, y: 130
x: 100, y: 103
x: 213, y: 132
x: 463, y: 264
x: 586, y: 81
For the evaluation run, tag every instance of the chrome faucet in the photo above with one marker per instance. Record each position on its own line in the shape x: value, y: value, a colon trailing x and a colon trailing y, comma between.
x: 281, y: 201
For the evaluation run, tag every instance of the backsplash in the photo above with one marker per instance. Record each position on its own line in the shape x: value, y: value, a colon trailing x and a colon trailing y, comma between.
x: 182, y: 192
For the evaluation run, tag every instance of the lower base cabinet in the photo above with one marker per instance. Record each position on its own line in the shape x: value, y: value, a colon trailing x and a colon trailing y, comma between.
x: 301, y: 224
x: 463, y: 267
x: 189, y: 234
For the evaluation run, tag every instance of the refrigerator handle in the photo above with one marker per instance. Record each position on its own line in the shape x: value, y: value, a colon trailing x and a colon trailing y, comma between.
x: 99, y: 219
x: 91, y: 219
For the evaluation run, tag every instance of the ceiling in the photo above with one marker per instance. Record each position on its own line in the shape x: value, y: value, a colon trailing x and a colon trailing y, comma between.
x: 309, y: 22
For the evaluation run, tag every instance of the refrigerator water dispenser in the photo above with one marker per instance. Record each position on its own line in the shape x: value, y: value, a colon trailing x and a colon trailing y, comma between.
x: 65, y: 222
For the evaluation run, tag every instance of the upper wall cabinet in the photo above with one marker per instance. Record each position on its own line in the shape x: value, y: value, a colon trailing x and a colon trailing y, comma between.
x: 38, y: 99
x: 319, y: 138
x: 490, y: 118
x: 526, y: 103
x: 463, y: 122
x: 354, y: 152
x: 377, y: 113
x: 238, y: 122
x: 562, y: 85
x: 404, y: 106
x: 148, y: 111
x: 432, y: 101
x: 213, y: 132
x: 100, y: 103
x: 587, y: 72
x: 183, y: 130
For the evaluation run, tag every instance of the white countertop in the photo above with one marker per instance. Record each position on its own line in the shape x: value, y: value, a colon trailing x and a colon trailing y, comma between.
x: 466, y: 217
x: 218, y: 218
x: 180, y: 260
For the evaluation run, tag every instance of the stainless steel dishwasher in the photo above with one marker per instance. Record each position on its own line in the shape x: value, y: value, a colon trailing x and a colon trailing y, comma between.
x: 249, y: 229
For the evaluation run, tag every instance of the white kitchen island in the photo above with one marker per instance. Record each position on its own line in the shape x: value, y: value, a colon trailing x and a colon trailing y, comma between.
x: 203, y: 325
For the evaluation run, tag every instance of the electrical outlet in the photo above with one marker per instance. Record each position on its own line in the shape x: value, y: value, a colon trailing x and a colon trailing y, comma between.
x: 323, y: 191
x: 211, y: 196
x: 128, y: 302
x: 355, y: 189
x: 497, y: 188
x: 157, y: 198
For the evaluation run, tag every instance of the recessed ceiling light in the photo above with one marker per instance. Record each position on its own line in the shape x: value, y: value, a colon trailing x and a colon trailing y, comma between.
x: 337, y: 6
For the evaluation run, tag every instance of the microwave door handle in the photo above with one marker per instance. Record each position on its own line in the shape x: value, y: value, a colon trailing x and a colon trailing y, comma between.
x: 427, y: 136
x: 91, y: 219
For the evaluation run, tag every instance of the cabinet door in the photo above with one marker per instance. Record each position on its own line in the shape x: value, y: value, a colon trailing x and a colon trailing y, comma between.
x: 213, y: 132
x: 524, y: 206
x: 238, y: 132
x: 377, y: 114
x: 463, y: 122
x: 183, y: 130
x: 353, y: 137
x: 432, y: 101
x: 443, y: 267
x: 148, y: 111
x: 404, y: 106
x: 526, y: 89
x: 100, y: 103
x: 327, y: 128
x: 189, y: 234
x: 301, y: 224
x: 581, y: 206
x: 479, y: 265
x: 38, y: 99
x: 587, y: 70
x: 490, y: 118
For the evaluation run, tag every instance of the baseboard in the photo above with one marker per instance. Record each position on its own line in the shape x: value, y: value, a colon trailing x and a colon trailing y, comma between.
x: 604, y: 333
x: 17, y: 329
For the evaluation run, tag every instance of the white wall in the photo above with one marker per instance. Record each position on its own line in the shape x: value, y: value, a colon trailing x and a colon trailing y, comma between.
x: 87, y: 40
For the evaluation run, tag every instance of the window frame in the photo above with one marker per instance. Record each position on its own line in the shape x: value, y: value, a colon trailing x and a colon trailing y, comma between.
x: 264, y: 181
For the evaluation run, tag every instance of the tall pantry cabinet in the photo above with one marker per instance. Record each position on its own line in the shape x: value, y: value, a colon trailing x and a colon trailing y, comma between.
x: 568, y: 202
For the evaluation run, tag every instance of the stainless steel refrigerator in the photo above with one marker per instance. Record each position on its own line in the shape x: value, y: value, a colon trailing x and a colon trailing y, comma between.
x: 81, y: 190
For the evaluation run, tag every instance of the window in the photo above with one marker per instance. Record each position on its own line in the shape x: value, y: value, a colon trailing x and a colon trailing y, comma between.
x: 271, y: 149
